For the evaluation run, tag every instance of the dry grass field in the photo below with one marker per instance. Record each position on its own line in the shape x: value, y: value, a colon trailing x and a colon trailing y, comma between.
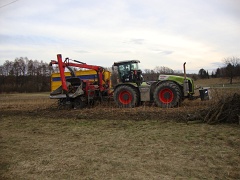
x: 38, y: 141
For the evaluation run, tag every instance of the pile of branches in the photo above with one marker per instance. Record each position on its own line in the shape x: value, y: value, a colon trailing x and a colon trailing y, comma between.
x: 226, y: 110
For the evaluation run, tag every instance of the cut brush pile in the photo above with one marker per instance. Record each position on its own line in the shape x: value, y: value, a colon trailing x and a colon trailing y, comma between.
x: 225, y: 110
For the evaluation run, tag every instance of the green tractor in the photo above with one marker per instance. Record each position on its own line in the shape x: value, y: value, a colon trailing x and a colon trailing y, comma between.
x: 132, y: 90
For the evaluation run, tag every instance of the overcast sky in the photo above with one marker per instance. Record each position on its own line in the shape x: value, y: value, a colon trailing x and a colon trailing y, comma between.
x: 156, y: 32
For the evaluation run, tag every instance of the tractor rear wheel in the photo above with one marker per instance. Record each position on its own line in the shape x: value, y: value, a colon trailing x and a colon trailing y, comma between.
x: 125, y: 96
x: 167, y: 95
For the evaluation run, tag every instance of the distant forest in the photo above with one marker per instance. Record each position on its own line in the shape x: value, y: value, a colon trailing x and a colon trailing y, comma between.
x: 24, y: 75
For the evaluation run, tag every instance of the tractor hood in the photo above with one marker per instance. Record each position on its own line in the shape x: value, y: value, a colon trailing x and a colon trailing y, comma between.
x: 178, y: 79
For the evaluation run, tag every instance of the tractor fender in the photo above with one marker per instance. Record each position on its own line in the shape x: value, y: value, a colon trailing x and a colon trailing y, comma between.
x: 160, y: 82
x: 180, y: 80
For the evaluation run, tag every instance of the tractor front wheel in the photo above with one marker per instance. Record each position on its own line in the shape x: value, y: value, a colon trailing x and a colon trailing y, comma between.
x: 125, y: 96
x: 167, y: 95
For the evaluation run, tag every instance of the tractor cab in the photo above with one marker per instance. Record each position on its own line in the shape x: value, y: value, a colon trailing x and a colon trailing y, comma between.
x: 129, y: 72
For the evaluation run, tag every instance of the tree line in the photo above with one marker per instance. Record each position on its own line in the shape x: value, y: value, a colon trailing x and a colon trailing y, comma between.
x: 230, y: 70
x: 24, y: 75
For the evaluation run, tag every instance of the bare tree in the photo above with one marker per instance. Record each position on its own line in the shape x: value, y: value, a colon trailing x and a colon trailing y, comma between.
x: 232, y: 64
x: 147, y: 71
x: 16, y: 69
x: 30, y: 67
x: 8, y: 65
x: 1, y: 70
x: 150, y: 75
x: 163, y: 70
x: 22, y: 65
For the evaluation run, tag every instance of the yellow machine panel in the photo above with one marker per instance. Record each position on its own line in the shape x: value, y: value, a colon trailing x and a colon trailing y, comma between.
x: 90, y: 75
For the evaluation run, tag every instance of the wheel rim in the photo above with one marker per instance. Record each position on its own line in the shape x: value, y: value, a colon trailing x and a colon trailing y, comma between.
x: 125, y: 97
x: 166, y: 95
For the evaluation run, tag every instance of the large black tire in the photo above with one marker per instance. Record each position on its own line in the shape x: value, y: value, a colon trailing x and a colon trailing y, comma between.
x: 78, y: 103
x: 63, y: 103
x: 167, y: 95
x: 125, y: 96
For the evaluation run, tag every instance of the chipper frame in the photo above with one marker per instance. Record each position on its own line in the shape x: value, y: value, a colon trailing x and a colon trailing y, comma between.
x: 77, y: 92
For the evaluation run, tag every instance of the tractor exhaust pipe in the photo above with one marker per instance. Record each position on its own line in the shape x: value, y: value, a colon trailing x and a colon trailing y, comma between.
x: 185, y: 82
x: 184, y: 70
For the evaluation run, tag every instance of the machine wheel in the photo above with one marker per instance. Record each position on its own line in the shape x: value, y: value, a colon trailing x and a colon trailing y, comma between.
x: 125, y: 96
x: 78, y: 103
x: 64, y: 104
x: 167, y: 95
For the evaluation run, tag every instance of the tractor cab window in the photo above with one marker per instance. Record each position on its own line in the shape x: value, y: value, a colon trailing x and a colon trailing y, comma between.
x: 129, y: 71
x: 134, y: 66
x: 124, y: 72
x: 124, y: 69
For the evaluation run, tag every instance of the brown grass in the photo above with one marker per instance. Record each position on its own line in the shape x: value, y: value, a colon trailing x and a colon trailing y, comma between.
x: 104, y: 149
x: 219, y: 82
x: 39, y: 142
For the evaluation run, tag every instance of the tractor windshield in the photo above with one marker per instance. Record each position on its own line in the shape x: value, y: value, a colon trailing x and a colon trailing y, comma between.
x: 128, y: 71
x: 134, y: 66
x: 125, y: 69
x: 128, y: 67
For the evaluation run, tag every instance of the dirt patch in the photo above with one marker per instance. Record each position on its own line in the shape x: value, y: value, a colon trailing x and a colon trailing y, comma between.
x: 46, y: 108
x: 100, y: 112
x: 221, y: 109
